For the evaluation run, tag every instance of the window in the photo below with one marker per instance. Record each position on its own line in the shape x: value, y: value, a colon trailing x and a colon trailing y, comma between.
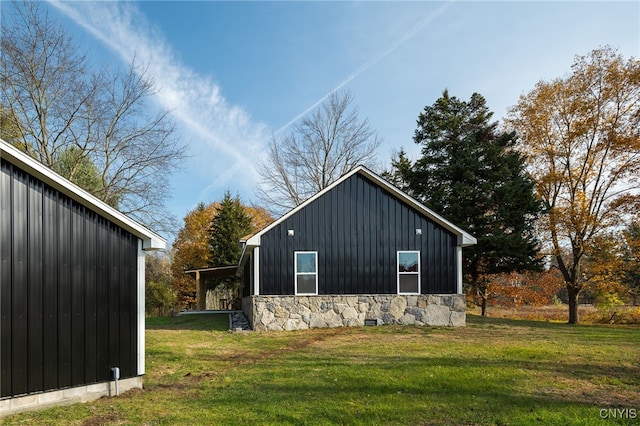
x: 306, y: 267
x: 409, y: 272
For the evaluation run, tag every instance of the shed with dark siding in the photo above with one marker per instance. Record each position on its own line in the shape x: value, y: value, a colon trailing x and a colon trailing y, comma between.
x: 71, y: 289
x: 360, y: 244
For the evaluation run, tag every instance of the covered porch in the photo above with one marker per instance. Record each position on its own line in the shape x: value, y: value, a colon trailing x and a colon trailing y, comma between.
x: 201, y: 277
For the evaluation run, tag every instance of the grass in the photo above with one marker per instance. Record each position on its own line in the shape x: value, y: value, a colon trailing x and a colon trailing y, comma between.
x: 494, y: 371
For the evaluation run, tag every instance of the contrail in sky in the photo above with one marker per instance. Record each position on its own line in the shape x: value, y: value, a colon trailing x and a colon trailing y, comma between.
x: 371, y: 62
x: 215, y: 126
x: 195, y: 100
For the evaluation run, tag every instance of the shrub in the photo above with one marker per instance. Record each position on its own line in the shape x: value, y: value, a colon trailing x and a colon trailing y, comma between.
x: 160, y: 299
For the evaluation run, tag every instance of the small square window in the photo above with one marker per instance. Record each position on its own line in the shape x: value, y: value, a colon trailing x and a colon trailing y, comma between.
x: 306, y: 270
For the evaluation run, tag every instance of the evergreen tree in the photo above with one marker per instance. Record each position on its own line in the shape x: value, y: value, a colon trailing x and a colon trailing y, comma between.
x: 10, y: 127
x: 78, y: 167
x: 470, y: 174
x: 192, y: 247
x: 229, y: 225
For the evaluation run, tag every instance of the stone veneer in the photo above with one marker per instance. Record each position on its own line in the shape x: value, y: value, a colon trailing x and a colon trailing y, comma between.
x: 302, y: 312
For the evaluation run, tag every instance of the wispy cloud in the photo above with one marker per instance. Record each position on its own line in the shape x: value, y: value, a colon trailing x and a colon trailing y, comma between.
x: 223, y: 138
x: 222, y: 135
x: 373, y: 61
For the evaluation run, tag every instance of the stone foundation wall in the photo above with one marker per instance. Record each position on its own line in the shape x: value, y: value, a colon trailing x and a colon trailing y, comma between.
x: 302, y: 312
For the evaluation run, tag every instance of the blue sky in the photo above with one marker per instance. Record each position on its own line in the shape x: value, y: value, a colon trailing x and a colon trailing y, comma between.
x: 236, y: 73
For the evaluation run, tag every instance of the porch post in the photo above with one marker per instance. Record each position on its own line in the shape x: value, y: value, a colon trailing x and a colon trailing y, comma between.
x: 201, y: 294
x: 459, y: 270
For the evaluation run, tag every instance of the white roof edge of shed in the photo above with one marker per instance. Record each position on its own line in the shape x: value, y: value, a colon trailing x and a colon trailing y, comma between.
x: 150, y: 240
x: 464, y: 238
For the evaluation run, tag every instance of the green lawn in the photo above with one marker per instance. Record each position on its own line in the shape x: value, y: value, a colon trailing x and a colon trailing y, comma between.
x: 494, y: 371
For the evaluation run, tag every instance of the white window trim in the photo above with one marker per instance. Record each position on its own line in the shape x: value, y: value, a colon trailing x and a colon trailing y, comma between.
x: 398, y: 273
x: 296, y: 273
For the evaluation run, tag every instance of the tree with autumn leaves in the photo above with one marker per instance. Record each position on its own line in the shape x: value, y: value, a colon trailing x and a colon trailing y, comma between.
x: 631, y: 260
x: 191, y: 251
x: 210, y: 237
x: 612, y: 267
x: 581, y: 135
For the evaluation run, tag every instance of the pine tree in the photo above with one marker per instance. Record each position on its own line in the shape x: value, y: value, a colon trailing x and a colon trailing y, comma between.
x: 470, y: 174
x: 228, y: 226
x: 192, y: 247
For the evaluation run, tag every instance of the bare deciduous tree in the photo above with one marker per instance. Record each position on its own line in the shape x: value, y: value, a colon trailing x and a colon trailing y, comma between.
x: 323, y: 147
x: 79, y: 121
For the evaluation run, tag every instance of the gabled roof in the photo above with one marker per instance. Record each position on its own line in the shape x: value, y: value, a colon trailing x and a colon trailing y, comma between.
x: 150, y: 240
x: 464, y: 239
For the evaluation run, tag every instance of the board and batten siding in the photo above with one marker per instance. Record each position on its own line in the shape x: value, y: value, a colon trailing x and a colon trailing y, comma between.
x: 68, y: 293
x: 357, y: 229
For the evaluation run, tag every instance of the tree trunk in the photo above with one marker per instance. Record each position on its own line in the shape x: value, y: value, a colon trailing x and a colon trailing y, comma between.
x: 572, y: 292
x: 484, y: 305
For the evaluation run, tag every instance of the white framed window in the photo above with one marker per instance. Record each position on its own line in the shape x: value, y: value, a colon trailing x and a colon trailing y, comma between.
x: 408, y: 272
x: 306, y: 270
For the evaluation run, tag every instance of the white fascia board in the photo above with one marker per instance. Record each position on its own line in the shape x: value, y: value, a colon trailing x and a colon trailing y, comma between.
x: 141, y: 310
x: 464, y: 238
x: 468, y: 240
x: 254, y: 241
x: 150, y: 240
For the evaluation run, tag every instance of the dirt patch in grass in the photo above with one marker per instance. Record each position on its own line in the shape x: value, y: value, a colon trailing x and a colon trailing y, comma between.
x: 237, y: 358
x: 102, y: 415
x: 111, y: 419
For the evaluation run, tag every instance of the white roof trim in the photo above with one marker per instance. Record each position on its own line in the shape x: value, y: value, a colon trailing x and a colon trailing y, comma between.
x: 464, y: 238
x: 150, y: 240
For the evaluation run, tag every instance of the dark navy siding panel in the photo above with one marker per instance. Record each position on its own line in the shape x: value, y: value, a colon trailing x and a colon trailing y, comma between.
x: 77, y: 294
x: 68, y: 290
x: 114, y: 299
x: 127, y: 305
x: 90, y: 298
x: 357, y: 229
x: 6, y: 219
x: 247, y: 278
x: 50, y: 295
x: 103, y: 260
x: 19, y: 331
x: 124, y: 314
x: 64, y: 292
x: 35, y: 285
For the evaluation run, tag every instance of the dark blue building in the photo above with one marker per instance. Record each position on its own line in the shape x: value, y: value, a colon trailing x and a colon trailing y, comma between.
x: 361, y: 244
x: 71, y: 289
